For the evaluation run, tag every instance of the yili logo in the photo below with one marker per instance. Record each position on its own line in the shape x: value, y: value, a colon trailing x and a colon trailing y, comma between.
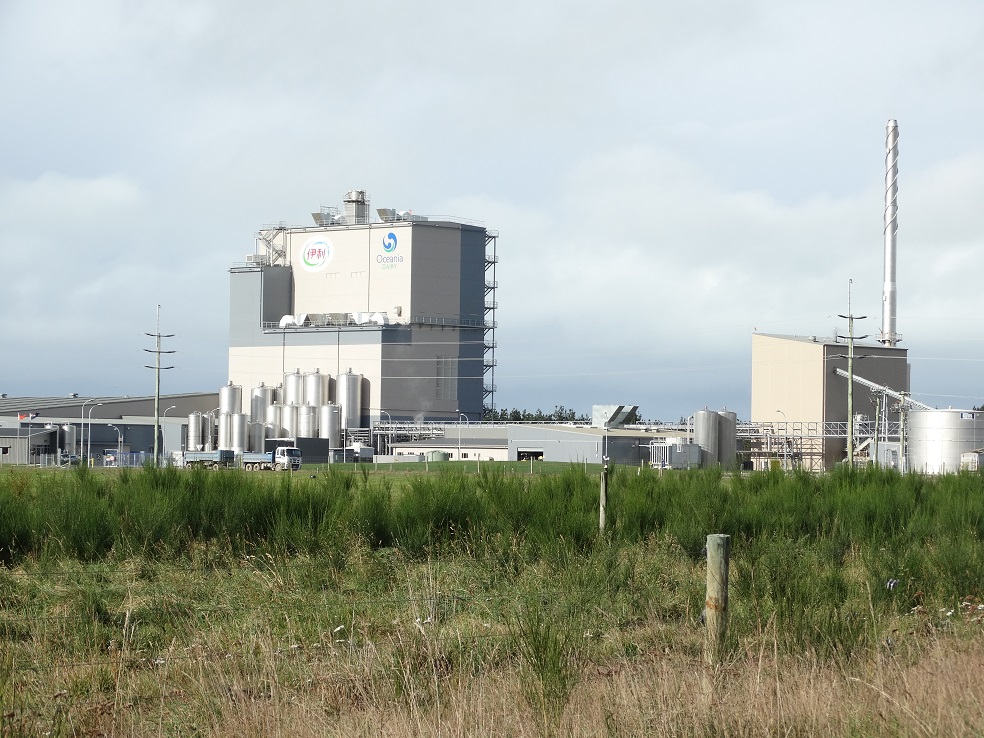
x: 316, y: 253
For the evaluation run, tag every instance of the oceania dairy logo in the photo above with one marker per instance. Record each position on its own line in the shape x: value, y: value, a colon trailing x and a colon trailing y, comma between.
x: 316, y: 253
x: 389, y: 243
x: 389, y: 260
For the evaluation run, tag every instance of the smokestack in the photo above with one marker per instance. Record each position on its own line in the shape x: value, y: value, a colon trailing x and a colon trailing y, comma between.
x: 888, y: 335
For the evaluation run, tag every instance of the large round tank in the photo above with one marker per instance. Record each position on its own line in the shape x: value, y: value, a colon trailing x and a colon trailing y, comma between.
x: 728, y: 438
x: 293, y: 392
x: 307, y: 421
x: 936, y: 438
x: 225, y: 431
x: 259, y: 399
x: 316, y: 388
x: 194, y: 441
x: 706, y: 436
x: 257, y: 434
x: 348, y: 394
x: 68, y: 432
x: 231, y: 399
x: 238, y: 423
x: 330, y: 424
x: 288, y: 420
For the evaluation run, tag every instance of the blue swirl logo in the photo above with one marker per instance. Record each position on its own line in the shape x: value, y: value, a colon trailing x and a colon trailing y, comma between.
x: 389, y: 242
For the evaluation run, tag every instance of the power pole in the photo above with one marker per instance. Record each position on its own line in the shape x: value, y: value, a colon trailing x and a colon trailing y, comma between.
x: 850, y: 373
x: 157, y: 382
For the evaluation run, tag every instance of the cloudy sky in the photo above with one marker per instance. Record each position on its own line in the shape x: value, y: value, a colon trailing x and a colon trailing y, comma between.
x: 665, y: 177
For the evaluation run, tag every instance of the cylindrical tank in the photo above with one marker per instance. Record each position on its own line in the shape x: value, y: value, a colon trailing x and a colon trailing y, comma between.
x: 257, y: 433
x: 238, y: 423
x: 68, y: 432
x: 231, y: 399
x: 225, y: 431
x: 936, y: 438
x: 288, y: 420
x: 274, y: 418
x: 259, y: 398
x: 293, y: 393
x: 728, y: 438
x: 194, y: 441
x: 348, y: 394
x: 330, y: 424
x: 316, y: 388
x: 706, y: 436
x: 307, y: 421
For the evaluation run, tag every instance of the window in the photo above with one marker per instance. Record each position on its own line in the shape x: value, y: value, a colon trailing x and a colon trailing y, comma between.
x: 464, y: 456
x: 447, y: 377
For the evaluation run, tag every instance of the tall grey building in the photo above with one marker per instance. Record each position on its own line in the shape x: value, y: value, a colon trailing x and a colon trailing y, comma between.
x: 405, y: 301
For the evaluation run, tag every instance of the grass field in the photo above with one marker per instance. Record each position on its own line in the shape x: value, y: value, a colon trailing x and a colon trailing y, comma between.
x: 452, y: 601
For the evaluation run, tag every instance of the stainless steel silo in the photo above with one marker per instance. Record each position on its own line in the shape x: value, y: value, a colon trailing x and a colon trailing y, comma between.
x: 288, y: 420
x: 259, y: 399
x: 728, y: 438
x: 257, y: 434
x: 69, y: 435
x: 225, y: 431
x: 195, y: 441
x: 238, y: 424
x: 348, y: 394
x: 275, y: 419
x: 231, y: 399
x: 706, y: 436
x: 935, y: 439
x: 307, y: 421
x: 293, y: 393
x: 316, y: 388
x: 330, y: 424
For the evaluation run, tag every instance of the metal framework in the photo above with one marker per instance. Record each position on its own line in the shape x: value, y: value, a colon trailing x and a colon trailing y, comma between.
x: 488, y: 364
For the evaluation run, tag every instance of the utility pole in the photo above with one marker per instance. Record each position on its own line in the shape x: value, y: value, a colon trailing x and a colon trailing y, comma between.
x: 850, y: 373
x: 157, y: 382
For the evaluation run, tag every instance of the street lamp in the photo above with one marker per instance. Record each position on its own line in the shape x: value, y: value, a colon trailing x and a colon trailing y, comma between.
x: 460, y: 416
x: 88, y: 451
x: 164, y: 445
x: 119, y: 443
x: 389, y: 420
x: 785, y: 440
x: 82, y: 427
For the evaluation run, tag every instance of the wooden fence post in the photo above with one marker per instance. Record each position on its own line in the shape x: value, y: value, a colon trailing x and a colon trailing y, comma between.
x: 716, y: 605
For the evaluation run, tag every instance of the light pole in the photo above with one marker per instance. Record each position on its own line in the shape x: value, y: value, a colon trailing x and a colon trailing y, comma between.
x: 82, y: 427
x: 389, y: 420
x: 460, y: 416
x: 785, y: 439
x: 164, y: 445
x: 88, y: 448
x: 119, y: 443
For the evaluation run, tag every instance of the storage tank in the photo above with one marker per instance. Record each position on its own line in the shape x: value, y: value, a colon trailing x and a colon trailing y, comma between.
x: 238, y: 423
x: 728, y: 438
x: 706, y: 436
x: 330, y: 424
x: 257, y: 434
x: 288, y: 420
x: 348, y: 394
x: 307, y: 421
x: 231, y: 399
x: 225, y: 431
x: 194, y: 441
x: 259, y: 399
x: 68, y: 433
x: 274, y: 418
x: 316, y: 388
x: 293, y: 393
x: 935, y: 439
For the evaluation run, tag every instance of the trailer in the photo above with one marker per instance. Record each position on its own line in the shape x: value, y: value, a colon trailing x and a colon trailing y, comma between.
x: 281, y: 458
x: 222, y: 458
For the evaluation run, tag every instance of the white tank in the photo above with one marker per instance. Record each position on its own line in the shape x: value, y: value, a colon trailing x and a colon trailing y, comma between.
x: 225, y: 431
x: 288, y: 420
x: 348, y: 394
x: 935, y: 439
x: 238, y: 423
x: 195, y: 441
x: 257, y: 433
x: 69, y: 434
x: 330, y: 424
x: 316, y: 388
x: 293, y: 393
x: 231, y: 399
x: 259, y: 398
x: 706, y: 436
x: 307, y: 421
x: 728, y: 438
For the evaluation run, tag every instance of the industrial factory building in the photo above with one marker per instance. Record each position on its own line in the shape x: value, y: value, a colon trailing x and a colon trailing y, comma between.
x: 397, y: 313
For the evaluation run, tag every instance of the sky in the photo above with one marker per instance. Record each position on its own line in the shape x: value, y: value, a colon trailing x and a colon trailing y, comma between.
x: 666, y: 178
